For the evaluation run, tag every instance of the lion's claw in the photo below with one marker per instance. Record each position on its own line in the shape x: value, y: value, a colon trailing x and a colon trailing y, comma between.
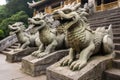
x: 77, y: 65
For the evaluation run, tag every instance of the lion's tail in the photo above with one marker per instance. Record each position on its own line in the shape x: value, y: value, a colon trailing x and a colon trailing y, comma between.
x: 109, y: 31
x: 108, y: 40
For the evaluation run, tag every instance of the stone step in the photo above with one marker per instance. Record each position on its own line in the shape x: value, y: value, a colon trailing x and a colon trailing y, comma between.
x: 107, y: 20
x: 117, y: 54
x: 104, y: 14
x: 8, y: 49
x: 106, y: 23
x: 113, y: 26
x: 116, y: 39
x: 17, y: 44
x: 116, y: 63
x: 116, y: 30
x: 13, y: 47
x: 117, y: 46
x: 111, y: 16
x: 116, y: 34
x: 4, y: 52
x: 116, y: 16
x: 112, y: 74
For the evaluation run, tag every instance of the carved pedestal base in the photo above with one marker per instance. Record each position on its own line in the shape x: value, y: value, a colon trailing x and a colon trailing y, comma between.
x: 37, y: 66
x: 17, y: 56
x: 92, y: 71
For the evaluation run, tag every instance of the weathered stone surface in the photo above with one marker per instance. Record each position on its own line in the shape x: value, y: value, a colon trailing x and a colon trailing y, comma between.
x: 51, y: 39
x: 17, y: 56
x: 112, y: 74
x: 92, y: 71
x: 81, y: 38
x: 37, y: 66
x: 7, y: 42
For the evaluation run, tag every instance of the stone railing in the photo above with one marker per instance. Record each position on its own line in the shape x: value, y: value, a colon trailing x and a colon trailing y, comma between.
x: 7, y: 42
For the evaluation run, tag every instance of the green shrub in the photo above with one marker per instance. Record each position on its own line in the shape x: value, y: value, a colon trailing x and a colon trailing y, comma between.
x: 1, y: 34
x: 18, y: 17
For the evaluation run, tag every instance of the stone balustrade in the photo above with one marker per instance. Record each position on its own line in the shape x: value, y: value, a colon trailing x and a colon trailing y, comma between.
x: 7, y: 42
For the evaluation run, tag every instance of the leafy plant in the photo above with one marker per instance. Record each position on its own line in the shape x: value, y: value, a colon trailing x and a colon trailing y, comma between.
x: 18, y: 17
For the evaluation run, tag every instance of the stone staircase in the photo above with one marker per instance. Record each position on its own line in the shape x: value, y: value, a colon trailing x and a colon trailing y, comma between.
x: 100, y: 19
x: 104, y: 19
x: 12, y: 47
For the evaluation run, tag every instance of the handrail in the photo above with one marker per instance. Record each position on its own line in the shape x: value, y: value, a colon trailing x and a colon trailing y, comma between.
x: 7, y: 42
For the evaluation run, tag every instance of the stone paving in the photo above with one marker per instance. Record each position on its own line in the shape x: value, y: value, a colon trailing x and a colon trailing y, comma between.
x: 11, y: 71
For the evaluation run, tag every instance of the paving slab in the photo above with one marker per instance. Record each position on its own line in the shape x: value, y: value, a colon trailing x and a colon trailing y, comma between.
x: 11, y: 71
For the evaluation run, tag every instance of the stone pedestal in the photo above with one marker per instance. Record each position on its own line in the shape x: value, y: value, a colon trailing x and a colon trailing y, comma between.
x: 17, y: 56
x: 37, y: 66
x: 92, y: 71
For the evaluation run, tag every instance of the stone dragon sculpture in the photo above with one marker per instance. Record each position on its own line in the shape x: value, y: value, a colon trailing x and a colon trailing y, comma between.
x: 26, y: 39
x: 50, y: 39
x: 83, y: 41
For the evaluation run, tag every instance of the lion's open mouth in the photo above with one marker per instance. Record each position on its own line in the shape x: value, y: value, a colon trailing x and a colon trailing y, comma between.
x: 13, y: 30
x: 65, y: 23
x: 36, y: 25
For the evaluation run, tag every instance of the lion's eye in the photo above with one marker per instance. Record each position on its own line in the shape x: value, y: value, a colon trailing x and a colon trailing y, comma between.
x: 20, y: 25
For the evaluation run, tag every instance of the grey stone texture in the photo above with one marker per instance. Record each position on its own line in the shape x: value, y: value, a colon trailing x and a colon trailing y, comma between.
x: 37, y: 66
x: 17, y: 56
x: 7, y: 42
x: 26, y: 39
x: 80, y: 37
x: 92, y: 71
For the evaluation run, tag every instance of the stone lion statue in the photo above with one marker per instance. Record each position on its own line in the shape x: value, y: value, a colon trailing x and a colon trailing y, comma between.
x: 24, y: 37
x: 83, y: 41
x: 50, y: 39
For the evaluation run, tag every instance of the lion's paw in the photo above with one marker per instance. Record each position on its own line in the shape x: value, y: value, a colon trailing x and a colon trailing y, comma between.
x: 42, y: 54
x: 77, y: 65
x: 35, y: 53
x: 66, y: 61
